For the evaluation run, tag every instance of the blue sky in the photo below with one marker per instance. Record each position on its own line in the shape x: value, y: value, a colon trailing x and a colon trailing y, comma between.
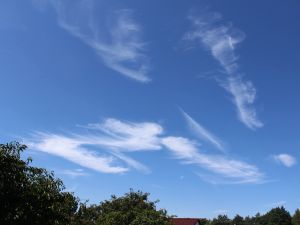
x: 193, y: 101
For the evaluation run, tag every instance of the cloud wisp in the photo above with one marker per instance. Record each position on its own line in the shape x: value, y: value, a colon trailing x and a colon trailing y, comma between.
x: 106, y: 147
x: 202, y: 133
x: 221, y: 40
x: 244, y: 94
x: 74, y: 173
x: 119, y: 43
x: 230, y: 170
x: 73, y: 149
x: 285, y: 159
x: 103, y: 148
x: 233, y: 171
x: 221, y: 212
x: 126, y: 136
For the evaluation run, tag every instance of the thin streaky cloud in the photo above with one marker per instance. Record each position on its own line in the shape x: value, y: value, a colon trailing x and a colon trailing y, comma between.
x: 244, y: 95
x: 235, y: 171
x: 221, y: 180
x: 112, y: 137
x: 132, y: 163
x: 201, y: 132
x: 221, y: 211
x: 221, y: 40
x: 73, y: 150
x: 120, y: 48
x: 285, y: 159
x: 107, y: 145
x: 74, y: 173
x: 126, y: 136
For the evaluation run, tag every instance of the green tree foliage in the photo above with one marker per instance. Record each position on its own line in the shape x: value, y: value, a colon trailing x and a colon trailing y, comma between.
x: 237, y: 220
x: 260, y: 220
x: 86, y: 215
x: 296, y: 218
x: 249, y: 221
x: 221, y: 220
x: 204, y: 221
x: 134, y: 208
x: 31, y: 195
x: 278, y: 216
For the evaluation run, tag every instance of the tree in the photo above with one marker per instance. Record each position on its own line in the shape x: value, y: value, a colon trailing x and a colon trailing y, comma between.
x: 221, y: 220
x: 238, y: 220
x: 86, y: 215
x: 249, y: 221
x: 204, y: 221
x: 31, y: 195
x: 278, y: 216
x: 296, y: 218
x: 134, y: 208
x: 260, y: 220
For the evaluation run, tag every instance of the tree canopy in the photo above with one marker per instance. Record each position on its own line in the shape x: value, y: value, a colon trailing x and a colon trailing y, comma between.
x: 134, y: 208
x: 296, y: 218
x: 278, y: 216
x: 221, y: 220
x: 31, y: 195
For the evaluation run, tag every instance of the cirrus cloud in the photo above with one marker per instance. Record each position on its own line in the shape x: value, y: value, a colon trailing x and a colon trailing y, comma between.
x: 221, y: 39
x: 108, y: 147
x: 285, y: 159
x: 118, y: 44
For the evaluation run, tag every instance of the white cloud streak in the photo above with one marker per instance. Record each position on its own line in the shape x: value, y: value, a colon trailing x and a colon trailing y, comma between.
x: 132, y: 163
x: 73, y: 150
x: 121, y: 47
x: 233, y: 170
x: 74, y: 173
x: 112, y: 135
x: 221, y: 40
x: 126, y: 136
x: 285, y: 159
x: 202, y: 133
x: 106, y: 146
x: 221, y: 212
x: 244, y: 95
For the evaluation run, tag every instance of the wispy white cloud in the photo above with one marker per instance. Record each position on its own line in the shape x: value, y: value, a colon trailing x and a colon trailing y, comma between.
x: 244, y: 95
x: 126, y: 136
x: 234, y: 171
x: 74, y: 150
x: 112, y: 135
x: 202, y: 133
x: 131, y: 162
x: 118, y: 44
x: 221, y: 40
x: 285, y: 159
x: 221, y: 212
x: 105, y: 147
x: 74, y: 173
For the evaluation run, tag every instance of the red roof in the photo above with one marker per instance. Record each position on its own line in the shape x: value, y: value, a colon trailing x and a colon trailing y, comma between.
x: 185, y: 221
